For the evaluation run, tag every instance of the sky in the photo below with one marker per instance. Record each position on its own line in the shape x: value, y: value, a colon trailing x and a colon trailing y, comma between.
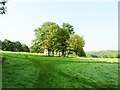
x: 95, y: 20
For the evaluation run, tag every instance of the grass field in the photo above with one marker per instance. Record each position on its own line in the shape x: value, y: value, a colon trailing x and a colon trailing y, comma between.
x: 27, y: 70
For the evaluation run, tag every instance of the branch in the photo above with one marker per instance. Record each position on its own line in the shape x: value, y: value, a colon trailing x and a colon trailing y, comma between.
x: 3, y: 2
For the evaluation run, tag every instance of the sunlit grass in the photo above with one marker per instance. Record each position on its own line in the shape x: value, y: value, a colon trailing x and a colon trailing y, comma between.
x: 32, y: 70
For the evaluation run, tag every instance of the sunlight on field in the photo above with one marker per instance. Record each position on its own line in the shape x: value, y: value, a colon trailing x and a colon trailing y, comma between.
x: 101, y: 59
x: 22, y: 53
x: 77, y: 58
x: 31, y: 70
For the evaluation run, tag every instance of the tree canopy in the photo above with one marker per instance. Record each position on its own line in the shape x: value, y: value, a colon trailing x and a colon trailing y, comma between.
x: 16, y: 46
x: 54, y: 38
x: 76, y: 44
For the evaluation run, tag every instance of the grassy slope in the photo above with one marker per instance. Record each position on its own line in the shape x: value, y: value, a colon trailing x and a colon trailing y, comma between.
x: 34, y: 70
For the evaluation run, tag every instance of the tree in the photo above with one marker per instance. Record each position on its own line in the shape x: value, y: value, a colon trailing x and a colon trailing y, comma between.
x: 35, y: 48
x: 68, y: 27
x: 5, y: 45
x: 25, y: 48
x: 60, y: 39
x: 16, y: 46
x: 49, y: 37
x: 46, y: 36
x: 10, y: 46
x: 3, y: 8
x: 76, y: 44
x: 63, y: 35
x: 81, y: 52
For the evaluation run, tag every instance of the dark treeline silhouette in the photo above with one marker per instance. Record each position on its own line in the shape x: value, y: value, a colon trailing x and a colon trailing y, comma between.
x: 16, y: 46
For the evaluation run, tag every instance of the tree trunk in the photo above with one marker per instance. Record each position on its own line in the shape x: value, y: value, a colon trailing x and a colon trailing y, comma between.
x: 75, y: 52
x: 48, y: 52
x: 59, y: 53
x: 65, y: 54
x: 62, y: 52
x: 53, y: 53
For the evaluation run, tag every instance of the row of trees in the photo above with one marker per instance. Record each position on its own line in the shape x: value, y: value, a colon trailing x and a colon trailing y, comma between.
x: 16, y: 46
x: 54, y: 38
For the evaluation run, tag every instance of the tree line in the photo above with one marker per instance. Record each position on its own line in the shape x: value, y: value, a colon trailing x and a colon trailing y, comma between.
x: 104, y: 54
x: 59, y: 39
x: 15, y: 46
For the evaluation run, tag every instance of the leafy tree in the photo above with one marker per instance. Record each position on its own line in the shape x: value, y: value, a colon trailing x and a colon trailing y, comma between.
x: 36, y: 47
x: 63, y: 35
x: 16, y: 46
x: 46, y: 36
x: 81, y: 52
x: 11, y: 46
x: 5, y: 45
x: 60, y: 39
x: 68, y: 27
x: 76, y: 44
x: 25, y: 48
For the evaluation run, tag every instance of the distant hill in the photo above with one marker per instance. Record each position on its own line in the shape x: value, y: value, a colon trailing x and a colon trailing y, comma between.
x: 103, y: 54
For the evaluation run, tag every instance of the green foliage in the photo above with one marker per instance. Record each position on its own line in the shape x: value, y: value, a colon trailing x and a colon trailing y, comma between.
x: 52, y: 37
x: 76, y: 44
x: 25, y: 48
x: 16, y: 46
x: 81, y: 52
x: 28, y: 70
x: 68, y: 27
x: 7, y: 45
x: 103, y: 54
x: 63, y: 35
x: 36, y: 47
x: 46, y: 36
x: 2, y: 6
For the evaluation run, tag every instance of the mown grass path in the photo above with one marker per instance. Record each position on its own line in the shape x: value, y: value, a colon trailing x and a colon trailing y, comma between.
x: 26, y: 70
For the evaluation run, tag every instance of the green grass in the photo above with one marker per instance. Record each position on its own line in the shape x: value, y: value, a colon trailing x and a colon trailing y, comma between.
x: 28, y: 70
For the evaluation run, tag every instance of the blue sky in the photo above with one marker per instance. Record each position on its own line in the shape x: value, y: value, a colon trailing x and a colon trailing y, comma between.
x: 97, y: 22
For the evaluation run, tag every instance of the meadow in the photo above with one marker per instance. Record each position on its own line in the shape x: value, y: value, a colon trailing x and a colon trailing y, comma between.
x: 31, y: 70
